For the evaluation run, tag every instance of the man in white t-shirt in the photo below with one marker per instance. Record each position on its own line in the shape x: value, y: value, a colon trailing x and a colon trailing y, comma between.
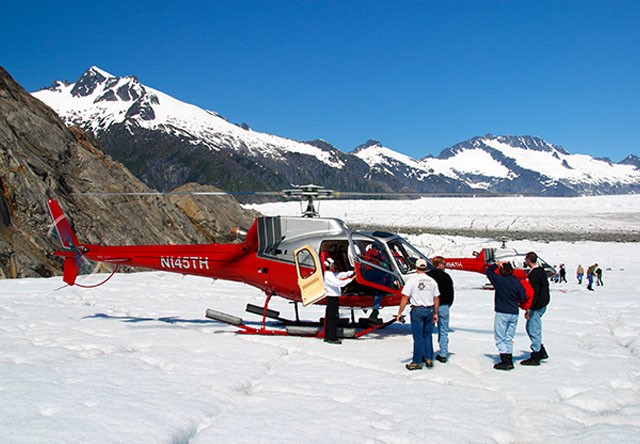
x: 421, y: 291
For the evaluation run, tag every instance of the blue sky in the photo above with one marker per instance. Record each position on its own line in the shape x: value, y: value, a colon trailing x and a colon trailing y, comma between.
x: 418, y: 76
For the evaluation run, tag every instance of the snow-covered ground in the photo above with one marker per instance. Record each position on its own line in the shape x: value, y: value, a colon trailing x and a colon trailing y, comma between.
x: 136, y: 360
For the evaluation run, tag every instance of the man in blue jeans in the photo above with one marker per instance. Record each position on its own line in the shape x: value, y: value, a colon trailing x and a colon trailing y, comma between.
x: 445, y: 286
x: 541, y: 298
x: 509, y: 292
x: 421, y: 291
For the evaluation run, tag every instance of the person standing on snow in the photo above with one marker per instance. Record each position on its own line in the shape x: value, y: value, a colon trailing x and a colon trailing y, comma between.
x: 563, y: 274
x: 580, y: 274
x: 541, y: 298
x: 445, y: 287
x: 599, y: 276
x: 333, y: 283
x: 591, y: 271
x: 509, y: 293
x: 421, y: 291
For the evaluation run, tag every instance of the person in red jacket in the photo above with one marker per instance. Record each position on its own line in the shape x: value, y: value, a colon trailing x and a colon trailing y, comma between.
x: 541, y: 298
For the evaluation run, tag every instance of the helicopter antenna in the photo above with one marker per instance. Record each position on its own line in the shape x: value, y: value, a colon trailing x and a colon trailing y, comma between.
x: 309, y: 193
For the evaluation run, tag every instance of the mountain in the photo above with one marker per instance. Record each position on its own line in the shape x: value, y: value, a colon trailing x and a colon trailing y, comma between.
x: 41, y: 157
x: 166, y: 142
x: 507, y: 164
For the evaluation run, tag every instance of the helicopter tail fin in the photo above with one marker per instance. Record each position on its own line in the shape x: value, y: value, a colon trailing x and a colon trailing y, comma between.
x: 63, y: 227
x: 72, y: 256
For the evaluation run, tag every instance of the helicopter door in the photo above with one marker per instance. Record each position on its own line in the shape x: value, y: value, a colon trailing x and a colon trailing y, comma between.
x: 310, y: 279
x: 373, y: 266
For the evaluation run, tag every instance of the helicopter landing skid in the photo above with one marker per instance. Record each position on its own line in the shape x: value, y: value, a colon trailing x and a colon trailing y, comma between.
x: 291, y: 327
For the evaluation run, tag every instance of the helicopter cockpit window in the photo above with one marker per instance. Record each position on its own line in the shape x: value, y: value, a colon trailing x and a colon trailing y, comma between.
x: 307, y: 265
x: 405, y: 255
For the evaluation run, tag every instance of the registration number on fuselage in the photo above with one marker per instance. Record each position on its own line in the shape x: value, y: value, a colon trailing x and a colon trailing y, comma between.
x: 184, y: 263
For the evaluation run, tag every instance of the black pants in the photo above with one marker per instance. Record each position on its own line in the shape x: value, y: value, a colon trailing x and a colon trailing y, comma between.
x: 331, y: 319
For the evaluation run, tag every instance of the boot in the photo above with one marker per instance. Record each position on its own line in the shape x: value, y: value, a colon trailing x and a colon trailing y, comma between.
x: 506, y: 362
x: 533, y: 360
x: 373, y: 317
x: 542, y: 353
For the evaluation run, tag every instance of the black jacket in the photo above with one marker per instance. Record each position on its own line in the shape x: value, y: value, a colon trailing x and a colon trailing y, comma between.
x: 540, y: 284
x: 445, y: 285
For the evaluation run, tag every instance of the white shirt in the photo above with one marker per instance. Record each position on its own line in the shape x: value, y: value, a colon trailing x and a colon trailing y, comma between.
x: 421, y: 289
x: 333, y: 282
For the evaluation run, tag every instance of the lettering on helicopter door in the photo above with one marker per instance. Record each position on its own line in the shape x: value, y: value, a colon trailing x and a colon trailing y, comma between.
x: 184, y: 263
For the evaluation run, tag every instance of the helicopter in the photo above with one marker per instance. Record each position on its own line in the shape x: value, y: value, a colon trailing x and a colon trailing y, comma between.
x: 280, y: 255
x: 478, y: 263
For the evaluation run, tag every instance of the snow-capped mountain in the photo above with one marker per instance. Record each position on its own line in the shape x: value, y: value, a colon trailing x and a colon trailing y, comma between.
x: 511, y: 164
x: 166, y: 142
x: 99, y: 100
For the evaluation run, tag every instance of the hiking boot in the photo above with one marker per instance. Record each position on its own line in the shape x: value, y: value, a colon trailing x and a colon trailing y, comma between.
x: 533, y: 360
x: 542, y: 354
x: 442, y: 359
x: 506, y: 362
x: 413, y: 366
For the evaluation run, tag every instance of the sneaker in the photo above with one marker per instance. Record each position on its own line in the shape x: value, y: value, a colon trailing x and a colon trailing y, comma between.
x: 442, y: 359
x: 413, y: 366
x: 428, y: 363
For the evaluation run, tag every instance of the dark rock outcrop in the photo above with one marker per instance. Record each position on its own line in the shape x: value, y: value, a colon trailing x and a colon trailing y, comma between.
x: 41, y: 157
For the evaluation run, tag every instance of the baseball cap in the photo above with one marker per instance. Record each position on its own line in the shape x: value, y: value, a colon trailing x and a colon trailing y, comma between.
x: 328, y: 262
x: 421, y: 264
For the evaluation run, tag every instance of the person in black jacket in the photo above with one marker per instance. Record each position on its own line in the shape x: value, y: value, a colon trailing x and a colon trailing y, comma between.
x: 509, y: 293
x: 445, y: 285
x: 541, y: 297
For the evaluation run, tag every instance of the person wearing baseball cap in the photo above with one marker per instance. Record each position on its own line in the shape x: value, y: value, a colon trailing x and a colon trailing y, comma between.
x: 421, y: 291
x: 333, y: 283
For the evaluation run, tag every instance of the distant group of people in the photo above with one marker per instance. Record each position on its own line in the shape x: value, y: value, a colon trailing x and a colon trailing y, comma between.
x: 594, y: 272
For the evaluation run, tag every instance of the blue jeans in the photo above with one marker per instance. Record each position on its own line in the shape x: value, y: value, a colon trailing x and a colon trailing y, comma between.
x: 534, y: 328
x: 504, y: 330
x: 443, y: 330
x: 422, y: 328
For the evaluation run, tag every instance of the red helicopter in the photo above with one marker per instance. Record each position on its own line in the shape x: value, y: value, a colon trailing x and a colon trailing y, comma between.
x: 478, y: 263
x: 280, y: 255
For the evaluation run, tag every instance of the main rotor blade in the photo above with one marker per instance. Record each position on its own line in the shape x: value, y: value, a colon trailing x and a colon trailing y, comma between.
x: 180, y: 193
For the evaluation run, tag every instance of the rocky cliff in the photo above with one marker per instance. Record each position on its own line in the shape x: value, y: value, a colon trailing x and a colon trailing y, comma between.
x: 41, y: 157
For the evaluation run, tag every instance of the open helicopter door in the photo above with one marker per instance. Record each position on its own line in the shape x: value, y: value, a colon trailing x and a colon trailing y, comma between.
x: 310, y: 279
x: 372, y: 263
